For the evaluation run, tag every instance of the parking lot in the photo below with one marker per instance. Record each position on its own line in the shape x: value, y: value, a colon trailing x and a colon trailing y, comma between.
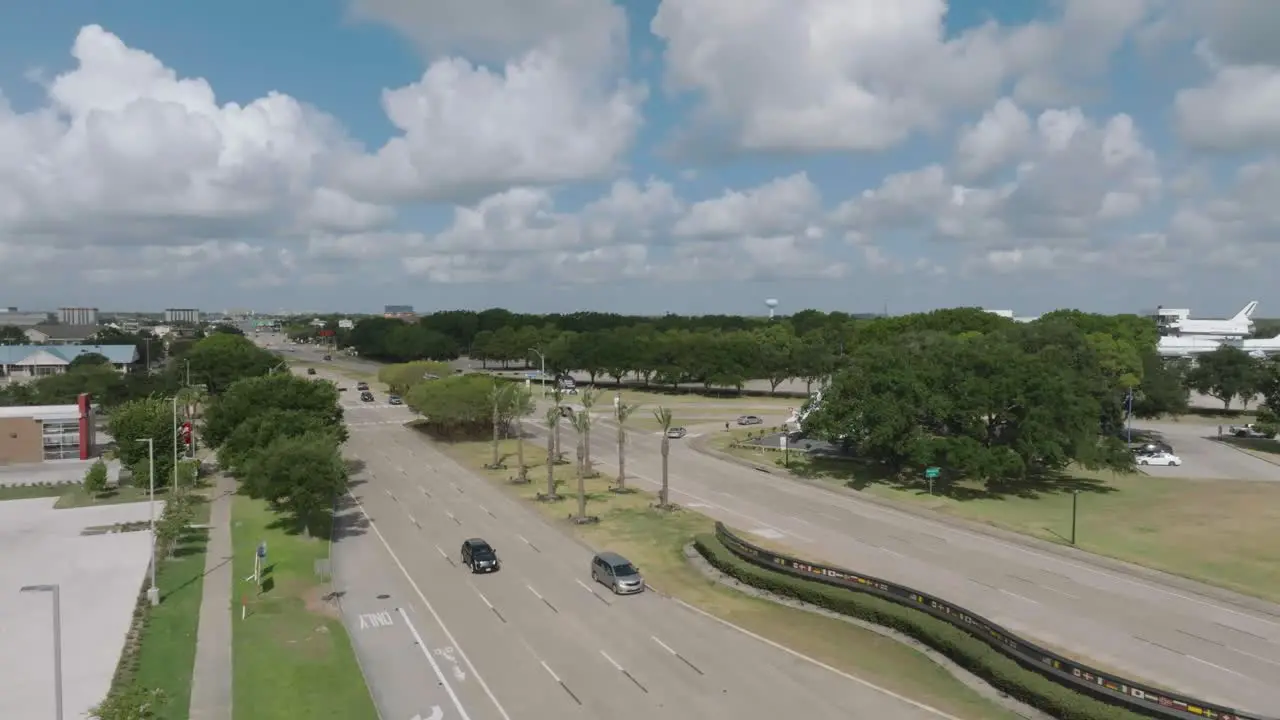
x: 1204, y: 457
x: 99, y: 577
x: 51, y: 473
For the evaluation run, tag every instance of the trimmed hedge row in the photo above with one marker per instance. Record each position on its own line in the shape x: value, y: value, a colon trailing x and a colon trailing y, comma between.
x: 969, y: 652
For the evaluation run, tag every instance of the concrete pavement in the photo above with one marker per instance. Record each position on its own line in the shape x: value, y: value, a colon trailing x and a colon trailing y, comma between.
x: 211, y: 676
x: 1170, y: 634
x: 537, y: 639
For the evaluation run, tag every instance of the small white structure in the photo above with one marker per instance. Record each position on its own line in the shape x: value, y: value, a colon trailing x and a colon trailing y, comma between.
x: 772, y: 304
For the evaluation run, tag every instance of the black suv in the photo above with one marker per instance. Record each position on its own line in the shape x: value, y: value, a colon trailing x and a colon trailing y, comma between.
x: 366, y: 396
x: 480, y: 556
x: 311, y: 371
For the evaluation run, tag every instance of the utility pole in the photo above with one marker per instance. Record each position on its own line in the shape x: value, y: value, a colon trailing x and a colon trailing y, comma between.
x: 153, y: 592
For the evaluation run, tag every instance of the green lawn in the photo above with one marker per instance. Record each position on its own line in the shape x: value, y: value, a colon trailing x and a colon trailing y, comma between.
x: 1222, y: 532
x: 292, y: 657
x: 167, y: 645
x: 1265, y: 448
x: 654, y: 541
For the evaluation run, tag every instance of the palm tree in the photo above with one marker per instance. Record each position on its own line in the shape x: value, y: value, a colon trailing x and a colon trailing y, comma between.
x: 663, y: 416
x: 582, y: 423
x: 623, y: 412
x: 500, y: 396
x: 588, y: 400
x: 522, y: 404
x: 553, y: 422
x: 557, y: 396
x: 192, y: 398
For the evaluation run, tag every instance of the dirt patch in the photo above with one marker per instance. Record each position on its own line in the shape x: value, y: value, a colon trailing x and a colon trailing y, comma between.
x: 318, y: 601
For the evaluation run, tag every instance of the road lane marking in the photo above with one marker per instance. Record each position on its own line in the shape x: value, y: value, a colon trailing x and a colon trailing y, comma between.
x: 451, y: 517
x: 414, y: 520
x: 819, y: 663
x: 391, y: 495
x: 488, y: 512
x: 424, y: 491
x: 544, y: 600
x: 1010, y: 593
x: 525, y: 540
x: 677, y: 655
x: 455, y: 487
x: 445, y: 555
x: 894, y: 553
x: 623, y: 670
x: 559, y: 682
x: 436, y: 668
x: 1215, y: 665
x: 592, y: 591
x: 431, y: 609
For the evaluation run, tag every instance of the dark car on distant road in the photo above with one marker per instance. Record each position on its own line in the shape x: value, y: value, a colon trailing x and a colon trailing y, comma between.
x: 366, y: 396
x: 362, y: 385
x: 311, y: 371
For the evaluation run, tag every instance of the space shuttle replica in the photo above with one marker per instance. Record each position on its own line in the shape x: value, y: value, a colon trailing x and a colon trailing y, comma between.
x: 1184, y: 336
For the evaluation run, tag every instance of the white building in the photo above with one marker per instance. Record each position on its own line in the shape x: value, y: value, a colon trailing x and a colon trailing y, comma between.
x: 189, y: 316
x: 25, y: 362
x: 78, y: 316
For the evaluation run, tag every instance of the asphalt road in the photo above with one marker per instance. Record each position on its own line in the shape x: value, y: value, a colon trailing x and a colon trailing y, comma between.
x: 537, y: 639
x: 1192, y: 639
x: 1184, y: 638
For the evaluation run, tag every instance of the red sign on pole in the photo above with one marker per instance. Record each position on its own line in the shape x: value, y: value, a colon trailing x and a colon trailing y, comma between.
x: 326, y: 333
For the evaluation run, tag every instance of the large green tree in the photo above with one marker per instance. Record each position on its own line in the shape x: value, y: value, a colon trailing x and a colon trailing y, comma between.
x: 221, y: 359
x: 463, y: 406
x: 252, y: 396
x: 137, y: 420
x: 300, y: 475
x: 1227, y: 373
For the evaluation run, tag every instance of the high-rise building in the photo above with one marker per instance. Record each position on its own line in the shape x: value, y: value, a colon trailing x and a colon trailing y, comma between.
x: 78, y: 316
x: 401, y: 312
x: 188, y: 316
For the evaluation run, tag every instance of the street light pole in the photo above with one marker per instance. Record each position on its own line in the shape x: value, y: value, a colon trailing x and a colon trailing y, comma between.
x: 1075, y: 496
x: 57, y: 641
x: 175, y: 441
x: 543, y: 373
x: 153, y: 592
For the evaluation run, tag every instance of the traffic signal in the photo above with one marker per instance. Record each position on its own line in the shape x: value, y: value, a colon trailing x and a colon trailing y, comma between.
x: 186, y: 433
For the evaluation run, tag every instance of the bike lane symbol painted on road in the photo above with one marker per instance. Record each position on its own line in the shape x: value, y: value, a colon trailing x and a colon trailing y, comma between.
x: 446, y: 653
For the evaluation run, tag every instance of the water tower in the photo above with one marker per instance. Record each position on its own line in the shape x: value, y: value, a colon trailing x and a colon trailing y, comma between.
x: 771, y: 304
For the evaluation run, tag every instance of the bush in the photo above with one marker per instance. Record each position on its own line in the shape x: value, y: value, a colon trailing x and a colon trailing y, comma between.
x: 95, y: 480
x: 970, y: 653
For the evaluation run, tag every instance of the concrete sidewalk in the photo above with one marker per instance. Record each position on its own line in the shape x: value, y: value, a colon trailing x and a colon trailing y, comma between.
x: 211, y: 680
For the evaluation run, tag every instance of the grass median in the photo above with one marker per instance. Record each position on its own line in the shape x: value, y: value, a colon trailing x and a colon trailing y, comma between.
x: 654, y: 540
x: 1221, y: 532
x: 292, y: 657
x: 962, y: 648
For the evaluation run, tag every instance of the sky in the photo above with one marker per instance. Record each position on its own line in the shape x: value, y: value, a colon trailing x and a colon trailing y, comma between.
x: 646, y: 156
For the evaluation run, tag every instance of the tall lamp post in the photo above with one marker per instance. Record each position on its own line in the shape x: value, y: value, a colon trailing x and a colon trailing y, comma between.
x: 153, y: 592
x: 543, y: 373
x: 175, y: 441
x: 57, y: 641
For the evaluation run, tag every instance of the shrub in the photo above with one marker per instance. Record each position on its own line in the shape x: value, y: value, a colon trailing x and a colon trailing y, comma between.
x: 970, y: 653
x: 95, y: 480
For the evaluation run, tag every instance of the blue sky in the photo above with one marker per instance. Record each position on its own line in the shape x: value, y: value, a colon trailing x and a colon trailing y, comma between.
x: 1118, y: 215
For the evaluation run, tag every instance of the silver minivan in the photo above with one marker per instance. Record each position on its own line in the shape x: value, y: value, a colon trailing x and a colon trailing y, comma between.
x: 616, y: 573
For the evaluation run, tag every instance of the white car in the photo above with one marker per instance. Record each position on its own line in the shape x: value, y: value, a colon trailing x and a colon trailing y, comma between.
x: 1162, y: 458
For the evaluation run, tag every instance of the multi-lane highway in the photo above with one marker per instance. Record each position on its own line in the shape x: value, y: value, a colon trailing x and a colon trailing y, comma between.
x: 537, y: 639
x: 1193, y: 640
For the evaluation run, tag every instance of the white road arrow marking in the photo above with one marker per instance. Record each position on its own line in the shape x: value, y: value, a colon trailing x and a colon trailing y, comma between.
x: 435, y: 714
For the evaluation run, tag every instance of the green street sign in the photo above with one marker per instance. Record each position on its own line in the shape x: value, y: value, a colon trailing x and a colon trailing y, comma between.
x: 932, y: 472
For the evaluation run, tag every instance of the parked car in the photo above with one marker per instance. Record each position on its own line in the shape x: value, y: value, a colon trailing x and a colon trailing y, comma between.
x: 311, y: 371
x: 676, y: 433
x: 1249, y: 431
x: 328, y: 357
x: 480, y: 556
x: 616, y: 573
x: 750, y: 420
x: 362, y: 385
x: 366, y: 396
x: 1161, y: 458
x: 566, y: 411
x: 394, y: 400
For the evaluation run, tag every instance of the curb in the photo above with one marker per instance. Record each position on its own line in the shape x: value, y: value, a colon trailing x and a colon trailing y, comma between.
x: 966, y: 678
x: 1245, y: 451
x: 1194, y: 587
